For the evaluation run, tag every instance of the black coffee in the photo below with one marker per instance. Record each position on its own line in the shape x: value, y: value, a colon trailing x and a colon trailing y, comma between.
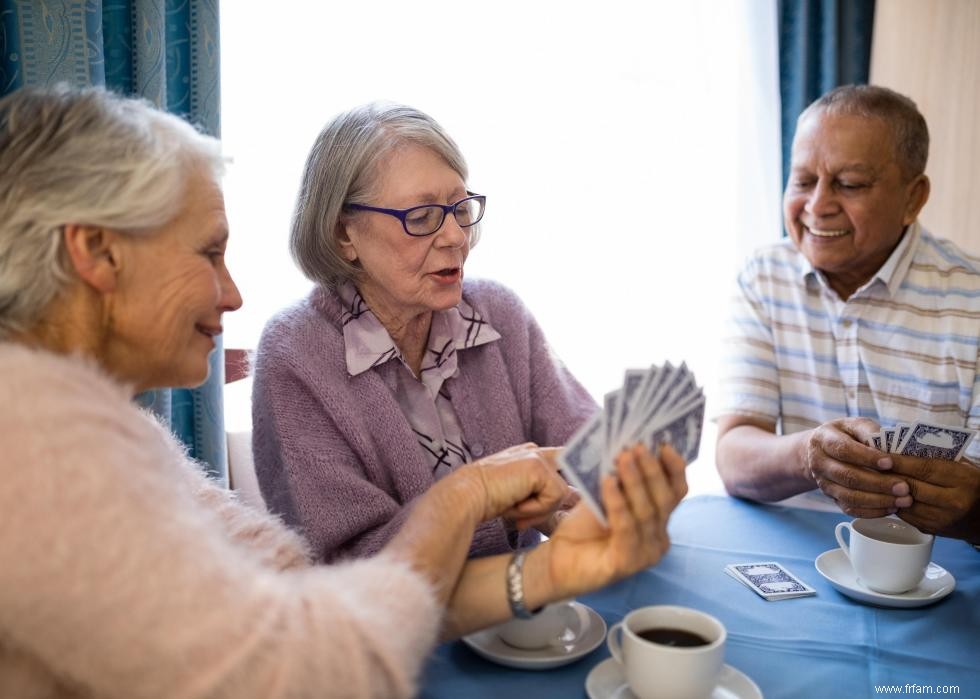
x: 678, y: 638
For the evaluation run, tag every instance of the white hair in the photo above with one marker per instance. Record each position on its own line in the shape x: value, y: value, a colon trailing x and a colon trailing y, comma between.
x: 83, y: 156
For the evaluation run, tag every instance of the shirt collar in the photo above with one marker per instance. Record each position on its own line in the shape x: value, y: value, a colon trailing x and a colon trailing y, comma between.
x: 891, y: 274
x: 367, y: 343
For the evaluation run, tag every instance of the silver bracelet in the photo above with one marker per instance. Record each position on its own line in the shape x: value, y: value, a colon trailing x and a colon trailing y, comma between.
x: 515, y: 585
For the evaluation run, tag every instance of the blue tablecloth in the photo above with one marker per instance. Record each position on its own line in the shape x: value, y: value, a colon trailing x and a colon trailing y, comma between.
x: 822, y: 646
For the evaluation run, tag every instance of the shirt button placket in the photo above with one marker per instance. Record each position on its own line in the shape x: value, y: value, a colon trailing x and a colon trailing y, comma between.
x: 848, y: 354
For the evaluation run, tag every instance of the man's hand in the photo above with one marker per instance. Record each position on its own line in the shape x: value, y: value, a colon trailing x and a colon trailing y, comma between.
x: 856, y: 476
x: 945, y: 496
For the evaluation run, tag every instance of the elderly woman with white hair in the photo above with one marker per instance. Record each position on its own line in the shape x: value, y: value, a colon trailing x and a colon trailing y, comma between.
x: 394, y: 371
x: 124, y: 571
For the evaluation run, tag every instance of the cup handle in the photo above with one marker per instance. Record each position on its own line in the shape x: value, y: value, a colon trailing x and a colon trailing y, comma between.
x: 577, y: 617
x: 840, y: 537
x: 614, y: 642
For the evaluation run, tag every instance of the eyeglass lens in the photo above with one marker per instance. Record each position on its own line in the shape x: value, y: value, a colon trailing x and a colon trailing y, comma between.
x: 424, y: 220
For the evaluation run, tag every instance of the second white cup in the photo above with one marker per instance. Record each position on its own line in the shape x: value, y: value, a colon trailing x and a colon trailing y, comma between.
x: 546, y: 627
x: 887, y: 554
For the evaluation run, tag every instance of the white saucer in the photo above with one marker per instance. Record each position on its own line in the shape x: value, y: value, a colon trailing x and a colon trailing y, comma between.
x: 569, y: 647
x: 835, y: 566
x: 607, y: 681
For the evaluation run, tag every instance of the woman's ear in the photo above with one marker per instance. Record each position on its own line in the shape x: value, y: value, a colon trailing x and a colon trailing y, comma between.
x: 345, y: 242
x: 94, y: 254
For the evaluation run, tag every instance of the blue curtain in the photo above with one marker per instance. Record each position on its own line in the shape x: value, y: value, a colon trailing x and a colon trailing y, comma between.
x: 822, y: 44
x: 167, y: 52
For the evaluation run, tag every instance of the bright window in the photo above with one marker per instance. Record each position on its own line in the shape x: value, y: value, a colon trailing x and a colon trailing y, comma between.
x: 629, y: 153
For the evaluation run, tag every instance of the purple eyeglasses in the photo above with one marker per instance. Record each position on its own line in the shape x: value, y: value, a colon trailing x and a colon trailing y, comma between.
x: 420, y: 221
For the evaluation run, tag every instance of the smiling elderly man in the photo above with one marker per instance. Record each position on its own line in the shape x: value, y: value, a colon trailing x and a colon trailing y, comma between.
x: 859, y: 319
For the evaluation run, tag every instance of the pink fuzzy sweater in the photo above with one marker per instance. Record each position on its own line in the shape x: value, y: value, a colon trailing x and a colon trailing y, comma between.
x: 125, y: 573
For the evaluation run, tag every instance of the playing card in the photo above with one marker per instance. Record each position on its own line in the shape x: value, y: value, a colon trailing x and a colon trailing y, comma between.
x: 633, y: 382
x: 931, y: 441
x: 581, y: 463
x: 610, y: 413
x: 876, y: 441
x: 683, y: 432
x: 901, y: 432
x: 653, y: 413
x: 656, y: 378
x: 770, y: 580
x: 887, y: 434
x: 659, y: 405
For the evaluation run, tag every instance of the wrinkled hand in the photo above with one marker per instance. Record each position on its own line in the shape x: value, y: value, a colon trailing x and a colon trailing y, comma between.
x: 855, y: 475
x: 521, y: 484
x: 945, y: 496
x: 585, y: 555
x: 547, y: 525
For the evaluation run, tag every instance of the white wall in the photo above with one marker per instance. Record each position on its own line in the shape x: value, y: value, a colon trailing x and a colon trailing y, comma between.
x: 629, y: 152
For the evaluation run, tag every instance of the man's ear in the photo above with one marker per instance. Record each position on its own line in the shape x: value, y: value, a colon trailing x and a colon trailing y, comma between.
x: 347, y: 248
x: 94, y: 254
x: 918, y: 196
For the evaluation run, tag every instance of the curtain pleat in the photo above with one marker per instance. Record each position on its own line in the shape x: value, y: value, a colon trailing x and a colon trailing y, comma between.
x: 822, y: 44
x: 166, y: 52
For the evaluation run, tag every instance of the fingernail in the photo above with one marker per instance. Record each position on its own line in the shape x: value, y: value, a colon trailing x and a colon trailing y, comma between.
x: 900, y: 489
x: 885, y: 463
x: 904, y: 502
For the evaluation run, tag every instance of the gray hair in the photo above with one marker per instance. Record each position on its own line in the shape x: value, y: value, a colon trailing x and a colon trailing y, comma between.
x: 343, y: 168
x: 83, y: 156
x: 910, y: 134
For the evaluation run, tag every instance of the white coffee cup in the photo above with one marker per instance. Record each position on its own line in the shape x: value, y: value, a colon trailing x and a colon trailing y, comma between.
x: 659, y: 671
x: 887, y: 554
x: 546, y: 627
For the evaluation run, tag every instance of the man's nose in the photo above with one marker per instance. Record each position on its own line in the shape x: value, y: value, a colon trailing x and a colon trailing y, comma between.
x: 822, y: 200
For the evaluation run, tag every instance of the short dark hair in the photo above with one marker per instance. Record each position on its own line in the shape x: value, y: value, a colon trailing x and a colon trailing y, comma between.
x: 909, y: 129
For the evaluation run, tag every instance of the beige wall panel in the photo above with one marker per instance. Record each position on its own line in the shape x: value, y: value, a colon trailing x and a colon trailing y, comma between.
x: 930, y: 51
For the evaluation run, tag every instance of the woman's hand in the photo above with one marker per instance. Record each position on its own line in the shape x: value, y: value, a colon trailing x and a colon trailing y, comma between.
x: 521, y: 484
x: 547, y: 525
x: 584, y: 555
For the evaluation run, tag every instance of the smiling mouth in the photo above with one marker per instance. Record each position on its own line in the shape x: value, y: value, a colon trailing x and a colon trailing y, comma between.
x: 209, y: 330
x: 825, y: 234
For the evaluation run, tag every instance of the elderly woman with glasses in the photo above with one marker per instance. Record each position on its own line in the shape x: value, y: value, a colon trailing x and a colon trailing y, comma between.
x: 124, y: 571
x: 395, y: 372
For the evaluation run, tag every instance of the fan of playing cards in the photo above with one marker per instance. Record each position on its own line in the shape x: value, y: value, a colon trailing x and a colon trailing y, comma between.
x: 924, y: 439
x: 655, y: 406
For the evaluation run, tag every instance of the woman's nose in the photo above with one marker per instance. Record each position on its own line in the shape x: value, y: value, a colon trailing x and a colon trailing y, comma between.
x: 450, y: 233
x: 231, y: 298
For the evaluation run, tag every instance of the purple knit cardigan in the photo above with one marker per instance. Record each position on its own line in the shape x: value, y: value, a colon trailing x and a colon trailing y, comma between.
x: 334, y: 454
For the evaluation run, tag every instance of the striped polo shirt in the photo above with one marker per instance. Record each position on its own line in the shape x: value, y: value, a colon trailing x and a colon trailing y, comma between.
x: 902, y: 348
